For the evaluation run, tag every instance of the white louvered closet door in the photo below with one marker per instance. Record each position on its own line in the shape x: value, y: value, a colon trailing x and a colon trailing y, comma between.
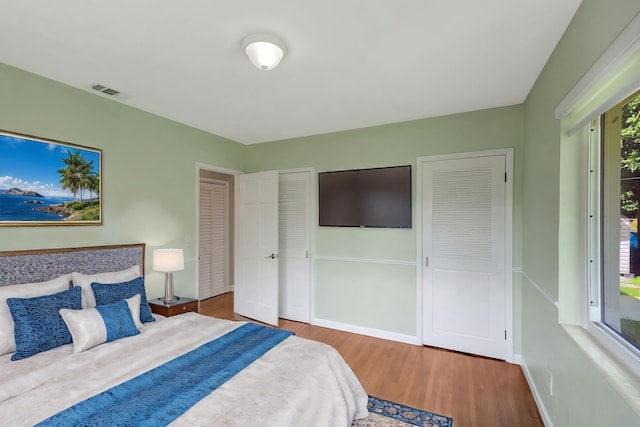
x: 214, y: 238
x: 464, y: 286
x: 294, y: 220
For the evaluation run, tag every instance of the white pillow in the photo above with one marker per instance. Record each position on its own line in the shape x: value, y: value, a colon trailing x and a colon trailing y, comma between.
x: 85, y: 281
x: 90, y: 327
x: 134, y: 308
x: 28, y: 290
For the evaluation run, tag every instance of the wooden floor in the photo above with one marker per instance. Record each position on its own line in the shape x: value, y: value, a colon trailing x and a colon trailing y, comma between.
x: 474, y: 391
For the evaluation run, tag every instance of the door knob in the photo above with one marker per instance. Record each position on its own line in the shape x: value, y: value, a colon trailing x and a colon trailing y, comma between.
x: 272, y: 256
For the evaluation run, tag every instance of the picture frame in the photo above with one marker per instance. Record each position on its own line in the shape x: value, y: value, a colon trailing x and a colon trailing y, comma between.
x: 44, y: 182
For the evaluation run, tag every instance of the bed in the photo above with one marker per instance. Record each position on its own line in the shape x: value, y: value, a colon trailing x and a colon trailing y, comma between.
x: 184, y: 370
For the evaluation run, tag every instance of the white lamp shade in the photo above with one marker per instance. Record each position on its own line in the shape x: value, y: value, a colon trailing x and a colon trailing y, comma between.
x: 168, y: 260
x: 264, y: 51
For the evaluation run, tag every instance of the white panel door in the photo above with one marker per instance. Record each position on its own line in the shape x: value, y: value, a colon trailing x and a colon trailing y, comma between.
x: 256, y: 263
x: 294, y: 218
x: 464, y: 228
x: 214, y: 239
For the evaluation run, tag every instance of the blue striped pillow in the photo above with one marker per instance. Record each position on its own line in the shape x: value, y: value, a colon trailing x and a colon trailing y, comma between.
x: 105, y: 323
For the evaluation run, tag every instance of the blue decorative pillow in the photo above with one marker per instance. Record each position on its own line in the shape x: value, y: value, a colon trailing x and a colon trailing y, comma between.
x: 38, y: 325
x: 104, y: 323
x: 113, y: 292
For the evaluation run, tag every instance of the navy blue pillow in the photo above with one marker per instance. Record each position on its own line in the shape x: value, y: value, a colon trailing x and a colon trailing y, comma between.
x: 109, y: 293
x: 38, y: 325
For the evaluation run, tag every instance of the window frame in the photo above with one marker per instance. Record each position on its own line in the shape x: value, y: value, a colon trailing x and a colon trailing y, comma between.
x: 602, y: 333
x: 612, y: 77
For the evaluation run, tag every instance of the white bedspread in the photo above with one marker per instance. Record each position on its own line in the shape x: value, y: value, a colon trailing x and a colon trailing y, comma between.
x: 297, y: 383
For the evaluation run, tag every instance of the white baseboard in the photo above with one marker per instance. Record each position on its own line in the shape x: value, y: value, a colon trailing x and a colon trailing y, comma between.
x: 517, y: 359
x: 377, y: 333
x: 536, y: 395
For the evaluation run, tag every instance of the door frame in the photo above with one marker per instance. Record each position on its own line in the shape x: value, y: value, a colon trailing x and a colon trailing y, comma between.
x: 187, y: 242
x: 508, y: 153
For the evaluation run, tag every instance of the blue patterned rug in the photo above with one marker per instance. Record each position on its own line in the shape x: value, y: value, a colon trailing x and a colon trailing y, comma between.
x: 383, y: 413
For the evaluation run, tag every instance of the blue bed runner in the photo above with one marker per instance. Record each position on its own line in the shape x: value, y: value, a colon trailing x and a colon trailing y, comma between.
x: 159, y: 396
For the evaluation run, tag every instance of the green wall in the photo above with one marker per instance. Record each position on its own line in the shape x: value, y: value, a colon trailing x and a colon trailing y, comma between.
x: 553, y: 238
x: 367, y: 277
x: 149, y: 169
x: 150, y: 181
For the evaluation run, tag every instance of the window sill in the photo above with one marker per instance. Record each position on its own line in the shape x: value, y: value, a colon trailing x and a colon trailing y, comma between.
x: 619, y: 376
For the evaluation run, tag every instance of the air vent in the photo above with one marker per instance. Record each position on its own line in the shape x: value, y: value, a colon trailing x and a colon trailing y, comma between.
x: 105, y: 90
x: 111, y: 92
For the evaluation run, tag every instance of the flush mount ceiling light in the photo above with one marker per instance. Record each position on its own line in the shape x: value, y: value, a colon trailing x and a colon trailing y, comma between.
x: 265, y: 51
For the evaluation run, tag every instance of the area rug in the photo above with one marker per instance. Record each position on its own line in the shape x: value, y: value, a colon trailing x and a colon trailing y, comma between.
x: 383, y: 413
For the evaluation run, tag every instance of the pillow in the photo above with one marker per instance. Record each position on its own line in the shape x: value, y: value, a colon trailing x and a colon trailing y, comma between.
x: 85, y: 281
x: 38, y: 325
x: 28, y: 290
x: 134, y: 308
x: 110, y: 293
x: 104, y: 323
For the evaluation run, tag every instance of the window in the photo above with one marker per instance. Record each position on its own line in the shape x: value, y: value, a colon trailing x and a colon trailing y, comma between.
x: 615, y: 213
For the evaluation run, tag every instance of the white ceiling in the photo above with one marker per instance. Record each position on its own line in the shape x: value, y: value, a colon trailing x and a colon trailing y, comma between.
x: 350, y: 63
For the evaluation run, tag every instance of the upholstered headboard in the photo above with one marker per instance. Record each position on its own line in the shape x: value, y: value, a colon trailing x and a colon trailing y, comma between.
x: 17, y: 267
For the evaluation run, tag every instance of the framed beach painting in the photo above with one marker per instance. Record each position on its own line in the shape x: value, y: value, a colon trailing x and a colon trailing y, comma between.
x: 47, y: 182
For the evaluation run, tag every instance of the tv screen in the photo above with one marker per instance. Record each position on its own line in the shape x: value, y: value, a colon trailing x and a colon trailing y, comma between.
x: 379, y: 197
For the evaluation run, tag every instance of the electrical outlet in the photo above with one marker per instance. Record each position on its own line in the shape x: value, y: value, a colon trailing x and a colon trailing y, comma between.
x: 550, y: 382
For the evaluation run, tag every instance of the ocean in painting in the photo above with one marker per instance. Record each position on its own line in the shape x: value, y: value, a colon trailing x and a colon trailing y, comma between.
x: 22, y: 208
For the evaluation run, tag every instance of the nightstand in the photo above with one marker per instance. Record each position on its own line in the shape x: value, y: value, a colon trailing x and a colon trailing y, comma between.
x: 183, y: 305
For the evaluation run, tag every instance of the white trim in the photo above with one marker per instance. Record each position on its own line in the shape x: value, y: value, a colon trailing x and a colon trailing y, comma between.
x: 619, y: 374
x: 211, y: 168
x: 601, y: 334
x: 540, y: 289
x: 371, y: 332
x: 296, y: 170
x: 469, y: 154
x: 214, y: 168
x: 593, y: 176
x: 517, y: 359
x: 312, y: 233
x: 365, y: 260
x: 508, y: 153
x: 614, y: 76
x: 509, y: 254
x: 417, y: 223
x: 544, y: 414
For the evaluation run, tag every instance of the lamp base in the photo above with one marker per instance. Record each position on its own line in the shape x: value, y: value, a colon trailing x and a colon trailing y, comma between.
x: 169, y: 297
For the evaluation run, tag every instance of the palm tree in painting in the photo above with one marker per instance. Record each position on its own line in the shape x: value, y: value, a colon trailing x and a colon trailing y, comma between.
x: 92, y: 183
x: 74, y: 177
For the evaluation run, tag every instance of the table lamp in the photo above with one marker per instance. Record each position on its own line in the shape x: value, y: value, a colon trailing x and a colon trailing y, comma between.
x: 168, y: 261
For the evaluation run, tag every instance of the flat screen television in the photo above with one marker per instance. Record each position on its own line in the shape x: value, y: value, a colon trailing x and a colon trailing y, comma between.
x: 378, y: 197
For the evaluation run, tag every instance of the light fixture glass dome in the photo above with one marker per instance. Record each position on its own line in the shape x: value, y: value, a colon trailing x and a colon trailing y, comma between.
x: 264, y: 51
